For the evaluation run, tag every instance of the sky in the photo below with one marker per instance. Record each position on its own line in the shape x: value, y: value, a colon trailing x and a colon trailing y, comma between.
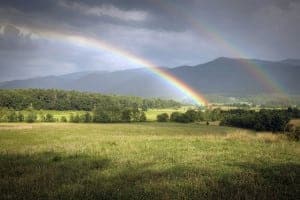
x: 34, y: 34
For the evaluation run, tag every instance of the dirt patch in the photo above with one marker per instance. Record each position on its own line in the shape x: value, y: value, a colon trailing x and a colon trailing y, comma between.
x: 295, y: 122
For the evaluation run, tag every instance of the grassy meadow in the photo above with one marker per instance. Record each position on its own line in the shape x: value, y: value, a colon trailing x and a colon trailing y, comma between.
x: 145, y: 161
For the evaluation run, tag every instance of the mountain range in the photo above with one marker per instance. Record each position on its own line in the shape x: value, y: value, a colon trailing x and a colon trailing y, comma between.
x: 221, y: 76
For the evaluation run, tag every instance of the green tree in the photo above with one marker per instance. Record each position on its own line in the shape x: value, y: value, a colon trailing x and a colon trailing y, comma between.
x: 143, y: 117
x: 102, y: 116
x: 164, y: 117
x: 175, y: 116
x: 126, y: 115
x: 191, y: 115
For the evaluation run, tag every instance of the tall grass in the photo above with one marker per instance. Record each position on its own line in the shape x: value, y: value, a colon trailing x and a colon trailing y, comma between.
x: 145, y: 161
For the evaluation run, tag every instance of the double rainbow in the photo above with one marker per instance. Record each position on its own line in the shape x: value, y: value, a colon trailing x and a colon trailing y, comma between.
x: 208, y: 31
x: 184, y: 88
x: 203, y: 29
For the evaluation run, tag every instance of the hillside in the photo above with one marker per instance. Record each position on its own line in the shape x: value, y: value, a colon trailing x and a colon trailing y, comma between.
x: 220, y: 76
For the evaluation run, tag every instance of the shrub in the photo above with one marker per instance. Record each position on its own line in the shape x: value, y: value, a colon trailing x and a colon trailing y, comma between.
x: 102, y: 116
x: 175, y: 116
x: 292, y: 132
x: 49, y: 118
x: 74, y: 118
x: 86, y: 118
x: 138, y: 116
x: 31, y: 117
x: 143, y: 117
x: 295, y: 135
x: 164, y: 117
x: 63, y: 119
x: 20, y: 117
x: 12, y: 117
x: 181, y: 117
x: 126, y: 115
x: 191, y: 115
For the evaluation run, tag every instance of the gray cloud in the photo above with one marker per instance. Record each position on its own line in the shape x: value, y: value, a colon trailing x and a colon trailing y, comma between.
x: 167, y: 33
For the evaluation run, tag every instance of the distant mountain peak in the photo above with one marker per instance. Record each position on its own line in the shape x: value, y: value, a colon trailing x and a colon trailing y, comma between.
x: 222, y: 59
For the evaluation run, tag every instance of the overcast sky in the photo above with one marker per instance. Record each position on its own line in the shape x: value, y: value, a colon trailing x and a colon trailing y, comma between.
x: 167, y: 33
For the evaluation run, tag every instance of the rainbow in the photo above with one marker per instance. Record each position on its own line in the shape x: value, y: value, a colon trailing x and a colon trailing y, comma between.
x: 184, y: 88
x: 203, y: 29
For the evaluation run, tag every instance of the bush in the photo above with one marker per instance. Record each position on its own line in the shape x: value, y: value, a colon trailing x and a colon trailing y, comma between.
x: 126, y: 115
x: 138, y: 116
x: 12, y: 117
x: 63, y: 119
x: 292, y: 132
x: 143, y: 117
x: 191, y: 115
x: 175, y: 116
x: 48, y: 118
x: 295, y: 136
x: 164, y: 117
x: 181, y: 117
x: 86, y: 118
x: 74, y: 118
x: 20, y: 117
x: 31, y: 117
x: 102, y: 116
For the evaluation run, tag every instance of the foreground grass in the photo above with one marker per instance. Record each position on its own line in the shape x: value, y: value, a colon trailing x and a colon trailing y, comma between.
x: 145, y: 161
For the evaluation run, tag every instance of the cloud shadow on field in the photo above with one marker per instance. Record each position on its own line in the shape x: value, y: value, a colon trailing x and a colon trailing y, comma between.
x: 52, y: 175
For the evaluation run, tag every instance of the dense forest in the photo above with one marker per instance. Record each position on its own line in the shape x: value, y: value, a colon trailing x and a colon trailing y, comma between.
x: 52, y: 99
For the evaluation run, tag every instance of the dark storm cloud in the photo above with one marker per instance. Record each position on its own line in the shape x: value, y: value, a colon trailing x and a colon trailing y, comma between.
x: 168, y: 33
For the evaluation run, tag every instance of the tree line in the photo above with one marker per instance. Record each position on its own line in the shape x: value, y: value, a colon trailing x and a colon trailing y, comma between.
x: 98, y: 115
x: 52, y: 99
x: 192, y: 115
x: 263, y: 120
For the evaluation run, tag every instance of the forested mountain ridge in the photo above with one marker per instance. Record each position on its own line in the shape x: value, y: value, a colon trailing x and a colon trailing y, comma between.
x: 222, y: 75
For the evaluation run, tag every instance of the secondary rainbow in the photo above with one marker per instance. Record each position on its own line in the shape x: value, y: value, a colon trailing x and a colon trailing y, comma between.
x: 77, y: 39
x: 204, y: 29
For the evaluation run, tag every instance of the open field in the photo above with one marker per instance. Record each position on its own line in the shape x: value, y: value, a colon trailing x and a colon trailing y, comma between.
x: 145, y: 161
